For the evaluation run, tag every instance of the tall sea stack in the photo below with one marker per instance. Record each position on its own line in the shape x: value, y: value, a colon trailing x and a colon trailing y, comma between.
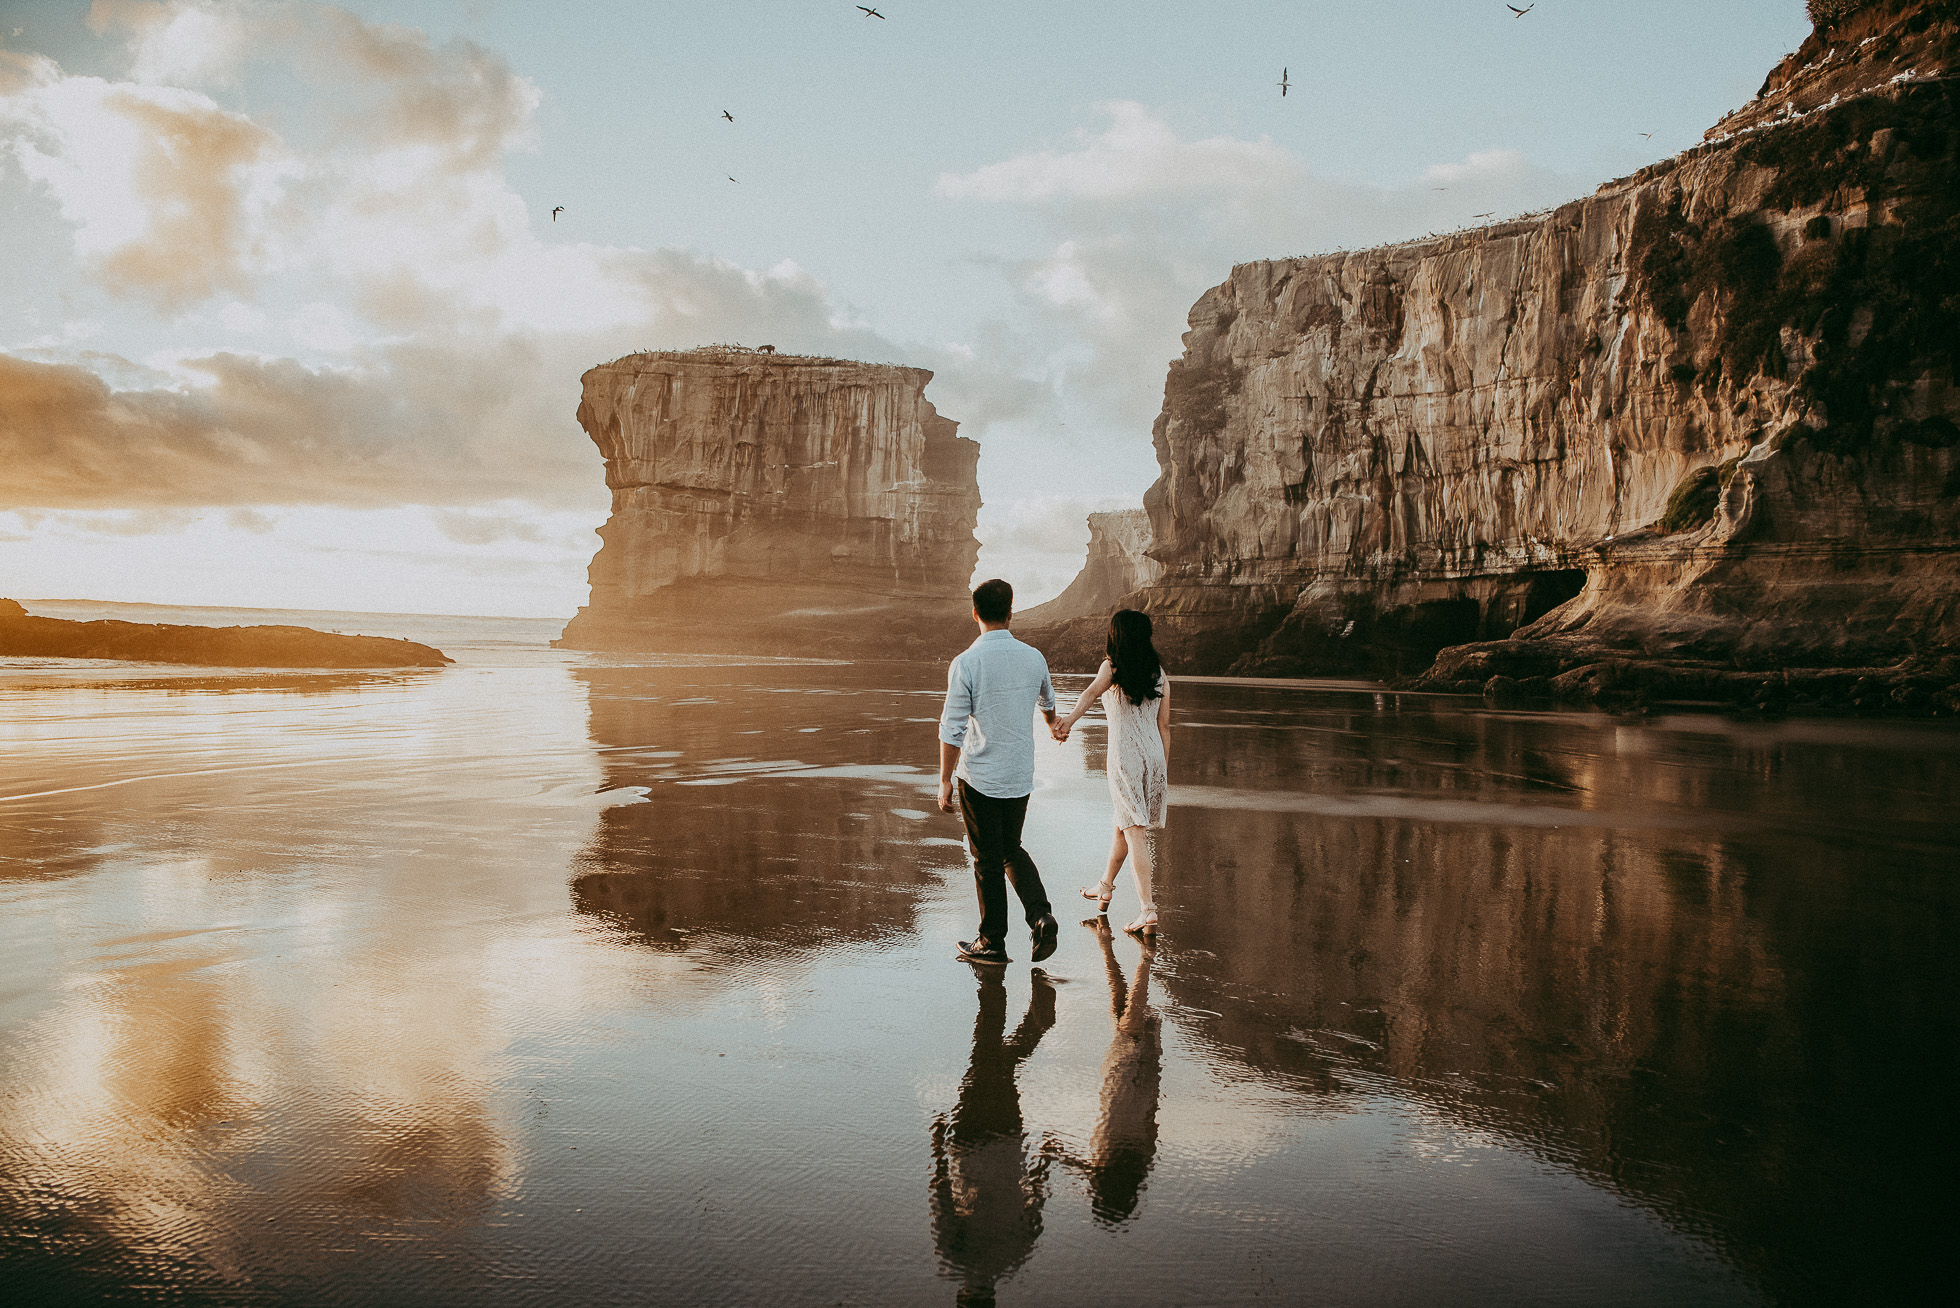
x: 1705, y: 416
x: 777, y: 504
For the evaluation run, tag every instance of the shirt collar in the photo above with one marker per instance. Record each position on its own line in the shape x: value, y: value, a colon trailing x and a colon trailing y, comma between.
x: 1002, y: 634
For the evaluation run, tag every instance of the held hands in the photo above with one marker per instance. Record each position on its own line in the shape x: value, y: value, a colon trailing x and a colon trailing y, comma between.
x: 1058, y: 729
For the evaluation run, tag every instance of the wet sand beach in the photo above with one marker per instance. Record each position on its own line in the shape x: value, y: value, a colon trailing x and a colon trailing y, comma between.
x: 582, y: 979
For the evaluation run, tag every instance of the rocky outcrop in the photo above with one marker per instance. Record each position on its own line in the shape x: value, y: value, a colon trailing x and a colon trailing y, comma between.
x: 1075, y: 622
x: 1708, y: 412
x: 1858, y: 45
x: 23, y: 635
x: 767, y: 503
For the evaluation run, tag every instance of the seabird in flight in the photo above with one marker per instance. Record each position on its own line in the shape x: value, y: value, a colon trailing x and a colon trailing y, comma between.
x: 733, y: 180
x: 555, y: 212
x: 1648, y: 135
x: 871, y: 13
x: 1282, y: 83
x: 1521, y: 12
x: 730, y: 117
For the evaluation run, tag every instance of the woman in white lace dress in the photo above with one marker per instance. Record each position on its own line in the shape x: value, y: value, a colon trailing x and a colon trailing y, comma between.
x: 1136, y: 700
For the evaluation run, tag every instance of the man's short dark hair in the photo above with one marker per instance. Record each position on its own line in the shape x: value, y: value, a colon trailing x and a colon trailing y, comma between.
x: 993, y: 600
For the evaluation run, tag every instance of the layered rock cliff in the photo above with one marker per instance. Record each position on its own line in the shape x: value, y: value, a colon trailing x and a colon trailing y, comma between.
x: 770, y: 503
x: 1706, y: 414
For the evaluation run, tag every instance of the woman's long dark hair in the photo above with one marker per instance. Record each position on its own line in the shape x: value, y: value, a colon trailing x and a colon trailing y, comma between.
x: 1132, y: 656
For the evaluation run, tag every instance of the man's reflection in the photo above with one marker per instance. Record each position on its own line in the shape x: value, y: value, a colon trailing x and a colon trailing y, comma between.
x: 986, y: 1190
x: 1125, y: 1141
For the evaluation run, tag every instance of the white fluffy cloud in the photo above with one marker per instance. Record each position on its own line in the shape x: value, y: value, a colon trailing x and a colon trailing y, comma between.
x: 1137, y: 158
x: 1144, y: 221
x: 170, y: 196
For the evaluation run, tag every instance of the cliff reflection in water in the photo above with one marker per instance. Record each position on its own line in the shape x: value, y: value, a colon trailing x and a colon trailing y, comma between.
x: 1708, y: 964
x: 1701, y: 964
x: 558, y: 977
x: 834, y: 849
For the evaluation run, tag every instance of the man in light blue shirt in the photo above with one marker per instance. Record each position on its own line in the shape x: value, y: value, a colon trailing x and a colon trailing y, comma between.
x: 986, y: 740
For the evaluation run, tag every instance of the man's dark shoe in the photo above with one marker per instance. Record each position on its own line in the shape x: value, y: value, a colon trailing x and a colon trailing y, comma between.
x: 1046, y: 932
x: 983, y: 951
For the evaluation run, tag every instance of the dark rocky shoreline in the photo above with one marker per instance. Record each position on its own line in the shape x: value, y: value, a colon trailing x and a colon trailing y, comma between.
x: 24, y: 636
x: 1563, y: 672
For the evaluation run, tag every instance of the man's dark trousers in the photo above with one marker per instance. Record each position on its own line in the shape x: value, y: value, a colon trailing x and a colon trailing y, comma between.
x: 993, y: 833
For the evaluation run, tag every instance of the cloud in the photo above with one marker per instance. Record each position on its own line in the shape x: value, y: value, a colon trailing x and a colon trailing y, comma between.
x: 1143, y: 221
x: 181, y: 44
x: 174, y: 198
x: 143, y: 522
x: 462, y: 101
x: 1136, y: 158
x: 438, y: 418
x: 483, y: 529
x: 169, y: 194
x: 17, y: 71
x: 420, y: 425
x: 1039, y: 542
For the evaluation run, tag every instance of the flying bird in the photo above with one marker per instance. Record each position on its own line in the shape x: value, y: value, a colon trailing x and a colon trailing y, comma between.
x: 1521, y: 12
x: 555, y: 212
x: 1282, y: 83
x: 1648, y: 135
x: 730, y: 117
x: 733, y: 180
x: 871, y: 13
x: 1491, y: 214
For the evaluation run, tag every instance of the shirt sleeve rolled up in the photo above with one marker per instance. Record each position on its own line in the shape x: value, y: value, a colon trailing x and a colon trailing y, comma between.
x: 959, y: 706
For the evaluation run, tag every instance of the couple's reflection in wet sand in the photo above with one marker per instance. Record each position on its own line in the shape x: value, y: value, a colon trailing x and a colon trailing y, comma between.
x: 988, y: 1188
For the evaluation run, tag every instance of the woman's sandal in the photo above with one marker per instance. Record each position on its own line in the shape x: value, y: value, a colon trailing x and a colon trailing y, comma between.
x: 1101, y: 894
x: 1146, y: 925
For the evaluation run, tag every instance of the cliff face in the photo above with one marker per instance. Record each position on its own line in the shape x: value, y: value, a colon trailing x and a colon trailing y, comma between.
x: 1119, y: 563
x: 1706, y: 412
x: 775, y: 504
x: 1718, y: 395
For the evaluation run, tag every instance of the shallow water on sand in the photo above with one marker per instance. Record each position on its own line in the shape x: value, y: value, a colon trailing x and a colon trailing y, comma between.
x: 552, y: 977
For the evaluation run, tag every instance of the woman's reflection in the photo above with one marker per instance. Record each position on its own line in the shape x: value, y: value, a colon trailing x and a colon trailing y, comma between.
x: 1125, y: 1141
x: 986, y: 1190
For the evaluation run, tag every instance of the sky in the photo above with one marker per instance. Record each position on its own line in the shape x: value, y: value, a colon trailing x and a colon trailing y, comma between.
x: 287, y: 319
